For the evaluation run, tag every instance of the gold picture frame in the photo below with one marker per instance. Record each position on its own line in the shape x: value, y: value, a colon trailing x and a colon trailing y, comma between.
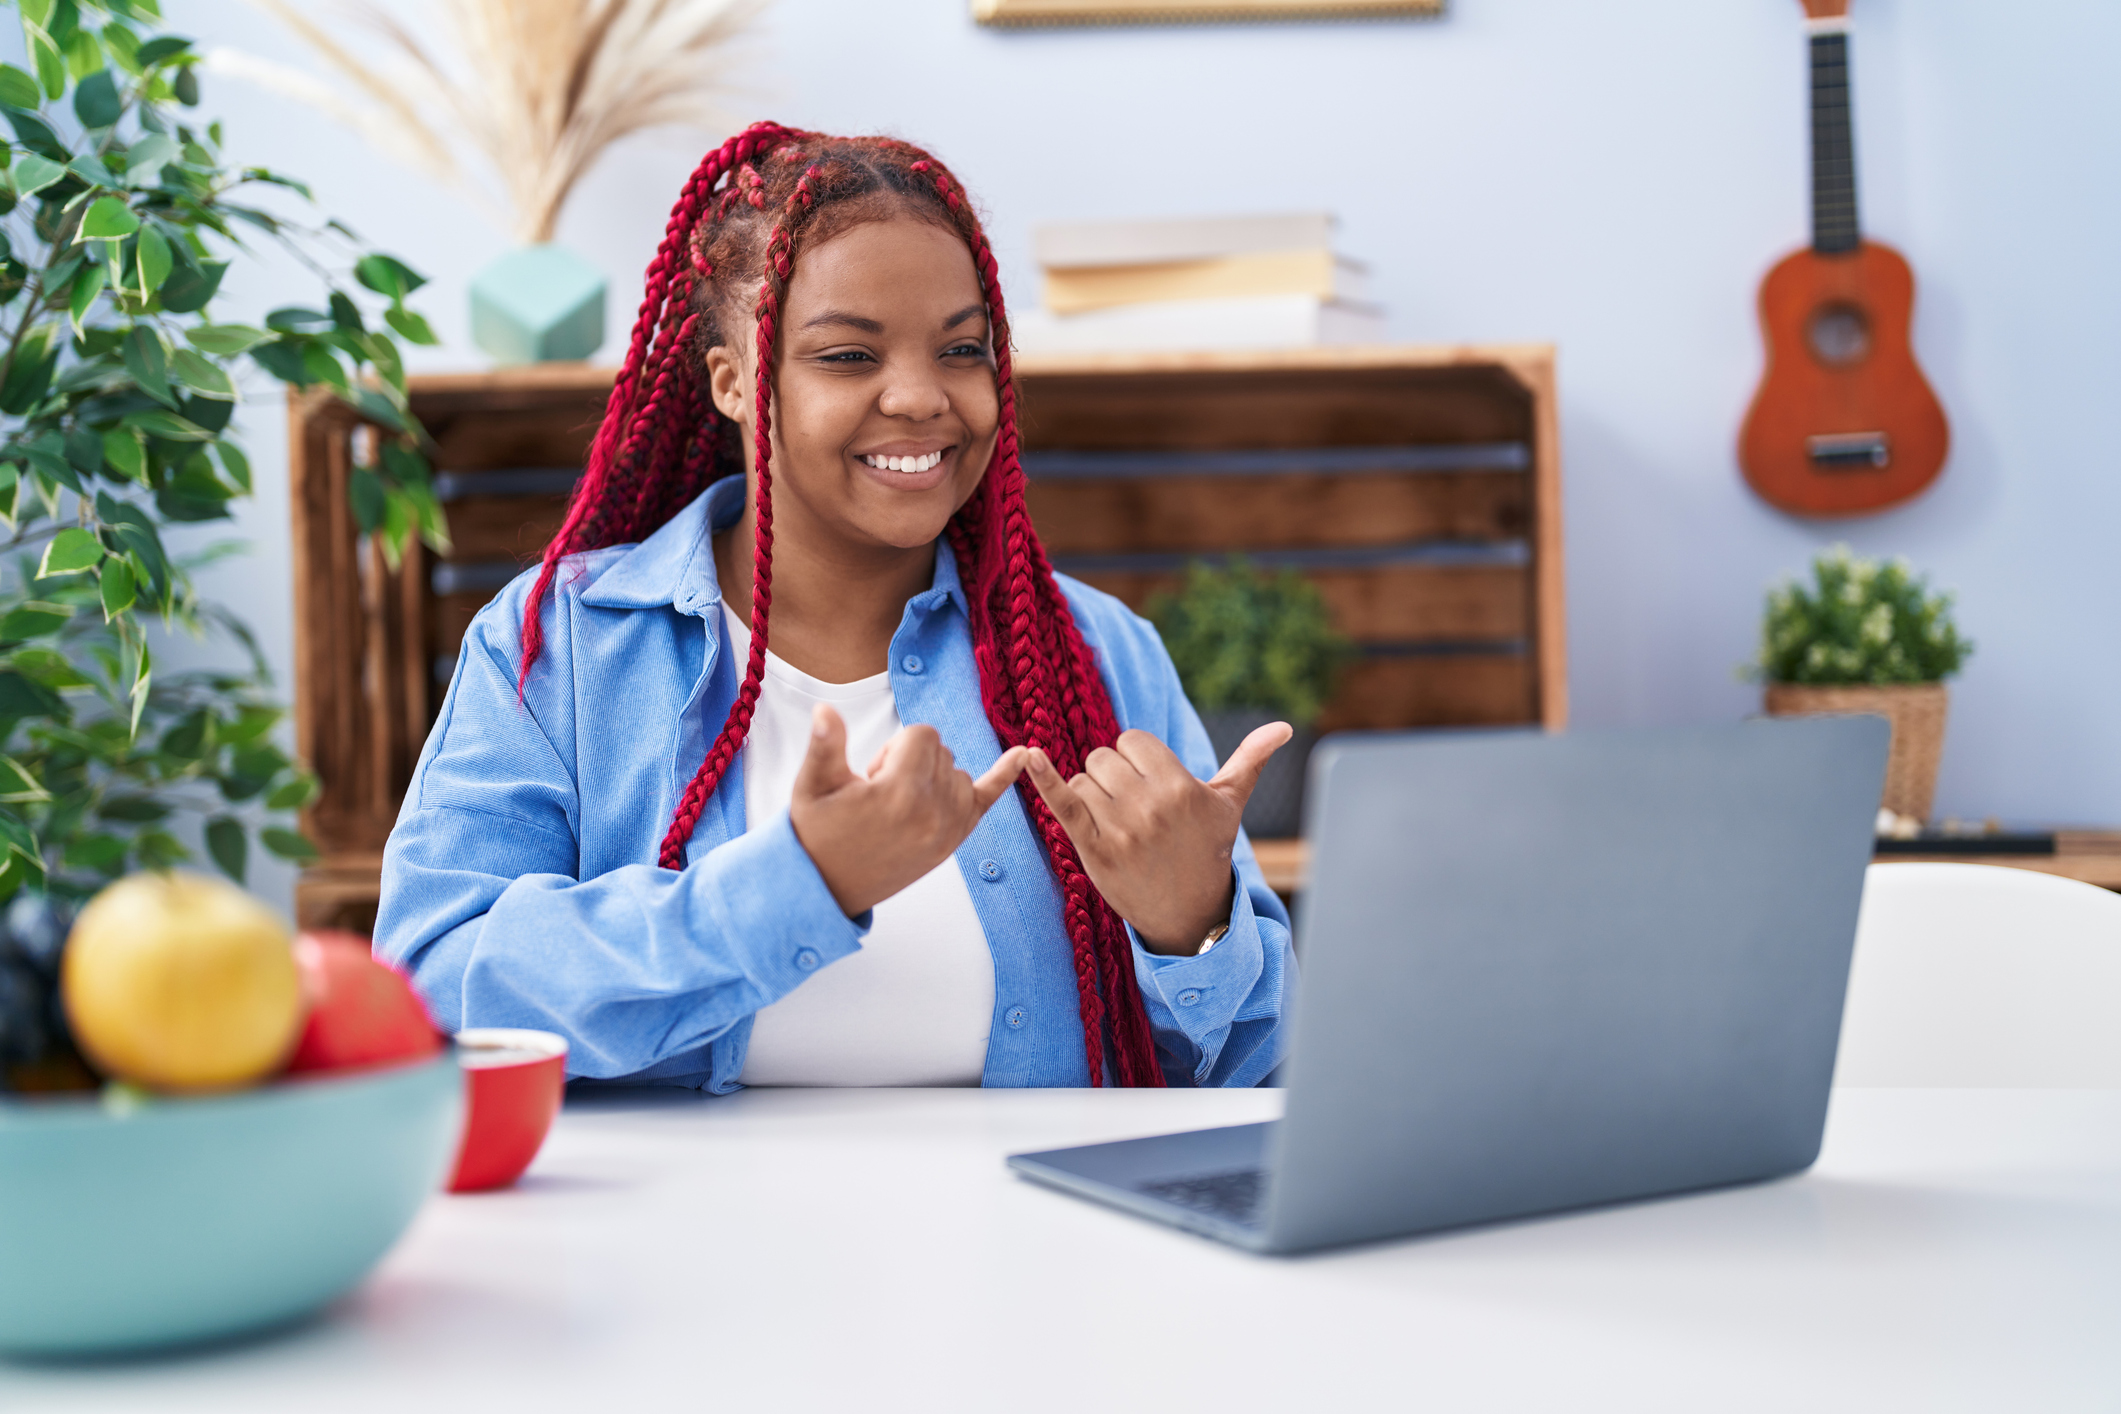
x: 1024, y: 14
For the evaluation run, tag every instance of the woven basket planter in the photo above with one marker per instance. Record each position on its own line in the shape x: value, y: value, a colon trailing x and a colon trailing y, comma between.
x: 1916, y: 712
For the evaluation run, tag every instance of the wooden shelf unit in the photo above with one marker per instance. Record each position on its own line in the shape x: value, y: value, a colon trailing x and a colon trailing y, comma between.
x: 1418, y: 487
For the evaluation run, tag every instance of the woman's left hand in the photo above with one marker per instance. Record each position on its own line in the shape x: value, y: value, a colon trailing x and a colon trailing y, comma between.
x: 1155, y: 840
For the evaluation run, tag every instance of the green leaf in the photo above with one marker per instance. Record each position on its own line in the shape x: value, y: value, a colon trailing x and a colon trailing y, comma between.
x: 108, y: 218
x: 87, y: 285
x: 92, y: 171
x: 122, y: 450
x: 345, y: 315
x: 377, y: 408
x: 48, y: 61
x: 156, y: 423
x: 404, y: 464
x: 117, y: 587
x: 19, y: 784
x: 410, y: 325
x: 104, y: 854
x: 323, y: 366
x: 96, y: 101
x: 84, y: 54
x: 123, y: 44
x: 382, y: 351
x: 145, y: 159
x: 186, y: 86
x: 156, y: 50
x: 33, y: 174
x: 37, y: 135
x: 292, y: 319
x: 365, y: 489
x: 288, y: 844
x: 148, y: 362
x: 294, y: 795
x: 210, y: 413
x: 143, y: 679
x: 17, y: 89
x: 84, y: 450
x: 192, y: 737
x: 391, y: 278
x: 225, y: 340
x: 47, y: 453
x: 226, y: 842
x: 133, y: 809
x: 34, y: 619
x: 26, y: 697
x: 253, y: 720
x: 158, y: 849
x: 282, y: 358
x: 235, y: 463
x: 31, y: 372
x: 155, y: 259
x: 37, y: 12
x: 191, y: 286
x: 72, y: 550
x: 201, y: 374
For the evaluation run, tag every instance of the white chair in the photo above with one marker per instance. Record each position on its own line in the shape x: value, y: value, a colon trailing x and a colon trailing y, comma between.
x: 1979, y: 975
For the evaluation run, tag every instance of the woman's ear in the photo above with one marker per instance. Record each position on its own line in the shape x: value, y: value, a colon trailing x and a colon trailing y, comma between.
x: 729, y: 381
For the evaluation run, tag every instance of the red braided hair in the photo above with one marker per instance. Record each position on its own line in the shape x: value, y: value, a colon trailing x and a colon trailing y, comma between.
x: 660, y: 444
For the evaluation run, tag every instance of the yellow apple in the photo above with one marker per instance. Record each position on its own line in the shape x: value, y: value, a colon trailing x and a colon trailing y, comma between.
x: 177, y: 981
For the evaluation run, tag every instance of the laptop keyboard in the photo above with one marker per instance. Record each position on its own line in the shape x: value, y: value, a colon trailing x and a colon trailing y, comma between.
x: 1235, y: 1196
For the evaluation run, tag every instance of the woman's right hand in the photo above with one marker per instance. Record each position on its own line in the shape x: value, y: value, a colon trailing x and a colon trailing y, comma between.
x: 871, y: 835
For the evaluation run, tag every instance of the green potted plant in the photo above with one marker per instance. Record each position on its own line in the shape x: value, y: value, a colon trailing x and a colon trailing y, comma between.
x: 1866, y: 636
x: 119, y: 218
x: 1252, y: 649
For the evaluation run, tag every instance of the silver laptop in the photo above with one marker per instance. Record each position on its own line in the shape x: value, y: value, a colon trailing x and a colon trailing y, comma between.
x: 1539, y: 973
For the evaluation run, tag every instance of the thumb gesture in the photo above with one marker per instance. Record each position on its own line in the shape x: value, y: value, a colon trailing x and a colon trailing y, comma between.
x: 825, y: 767
x: 1234, y: 782
x: 1154, y: 840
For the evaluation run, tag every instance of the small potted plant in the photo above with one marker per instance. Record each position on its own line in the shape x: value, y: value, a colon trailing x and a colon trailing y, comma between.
x: 1867, y: 637
x: 1252, y: 649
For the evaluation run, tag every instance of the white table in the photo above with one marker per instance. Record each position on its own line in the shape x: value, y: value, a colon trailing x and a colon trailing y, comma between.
x: 854, y: 1251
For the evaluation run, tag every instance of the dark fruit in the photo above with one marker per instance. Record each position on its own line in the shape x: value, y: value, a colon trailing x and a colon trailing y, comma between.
x: 36, y: 1050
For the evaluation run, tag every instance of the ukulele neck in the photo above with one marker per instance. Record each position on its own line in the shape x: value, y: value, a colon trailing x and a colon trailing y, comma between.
x: 1834, y: 228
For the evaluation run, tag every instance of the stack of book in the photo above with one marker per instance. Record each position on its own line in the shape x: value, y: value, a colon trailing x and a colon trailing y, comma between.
x: 1203, y: 283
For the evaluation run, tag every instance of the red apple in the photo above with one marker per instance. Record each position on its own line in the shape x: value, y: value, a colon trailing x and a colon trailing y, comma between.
x: 361, y: 1011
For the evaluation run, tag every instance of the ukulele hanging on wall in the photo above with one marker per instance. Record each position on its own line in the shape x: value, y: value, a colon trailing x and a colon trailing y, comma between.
x: 1843, y: 422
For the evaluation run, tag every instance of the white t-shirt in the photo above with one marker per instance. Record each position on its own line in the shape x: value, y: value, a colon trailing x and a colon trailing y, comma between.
x: 913, y: 1007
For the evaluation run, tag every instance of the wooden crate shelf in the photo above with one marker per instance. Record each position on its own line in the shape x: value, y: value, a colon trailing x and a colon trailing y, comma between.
x: 1419, y: 488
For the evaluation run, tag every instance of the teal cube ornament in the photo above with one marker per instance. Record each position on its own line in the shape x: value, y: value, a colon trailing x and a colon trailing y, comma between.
x: 538, y: 304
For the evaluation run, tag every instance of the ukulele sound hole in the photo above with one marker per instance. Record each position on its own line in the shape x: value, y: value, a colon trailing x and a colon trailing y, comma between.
x: 1839, y: 334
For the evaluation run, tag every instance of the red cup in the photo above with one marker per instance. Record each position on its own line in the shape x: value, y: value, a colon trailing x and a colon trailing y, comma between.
x: 512, y: 1084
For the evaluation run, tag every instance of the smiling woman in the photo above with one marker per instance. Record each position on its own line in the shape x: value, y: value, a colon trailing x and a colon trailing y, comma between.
x: 839, y: 884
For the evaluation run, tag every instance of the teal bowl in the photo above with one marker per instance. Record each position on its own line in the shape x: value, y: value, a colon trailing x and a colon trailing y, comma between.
x: 184, y: 1220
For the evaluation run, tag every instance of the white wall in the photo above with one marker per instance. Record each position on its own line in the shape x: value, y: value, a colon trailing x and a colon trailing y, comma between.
x: 1611, y: 177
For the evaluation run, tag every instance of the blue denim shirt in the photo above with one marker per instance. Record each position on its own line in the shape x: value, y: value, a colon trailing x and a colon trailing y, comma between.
x: 520, y: 886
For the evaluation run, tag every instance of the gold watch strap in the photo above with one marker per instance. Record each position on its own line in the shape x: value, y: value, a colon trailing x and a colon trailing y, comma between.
x: 1215, y: 935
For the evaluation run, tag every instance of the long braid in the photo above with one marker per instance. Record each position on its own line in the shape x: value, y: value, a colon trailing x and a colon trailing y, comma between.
x: 779, y: 265
x: 658, y: 447
x: 1055, y: 675
x: 589, y: 522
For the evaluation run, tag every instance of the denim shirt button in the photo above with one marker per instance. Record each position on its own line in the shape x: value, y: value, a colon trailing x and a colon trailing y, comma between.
x: 1189, y: 997
x: 912, y: 663
x: 991, y: 870
x: 808, y: 959
x: 1017, y: 1016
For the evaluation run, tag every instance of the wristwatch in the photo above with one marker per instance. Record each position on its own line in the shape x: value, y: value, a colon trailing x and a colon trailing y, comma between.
x: 1215, y: 935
